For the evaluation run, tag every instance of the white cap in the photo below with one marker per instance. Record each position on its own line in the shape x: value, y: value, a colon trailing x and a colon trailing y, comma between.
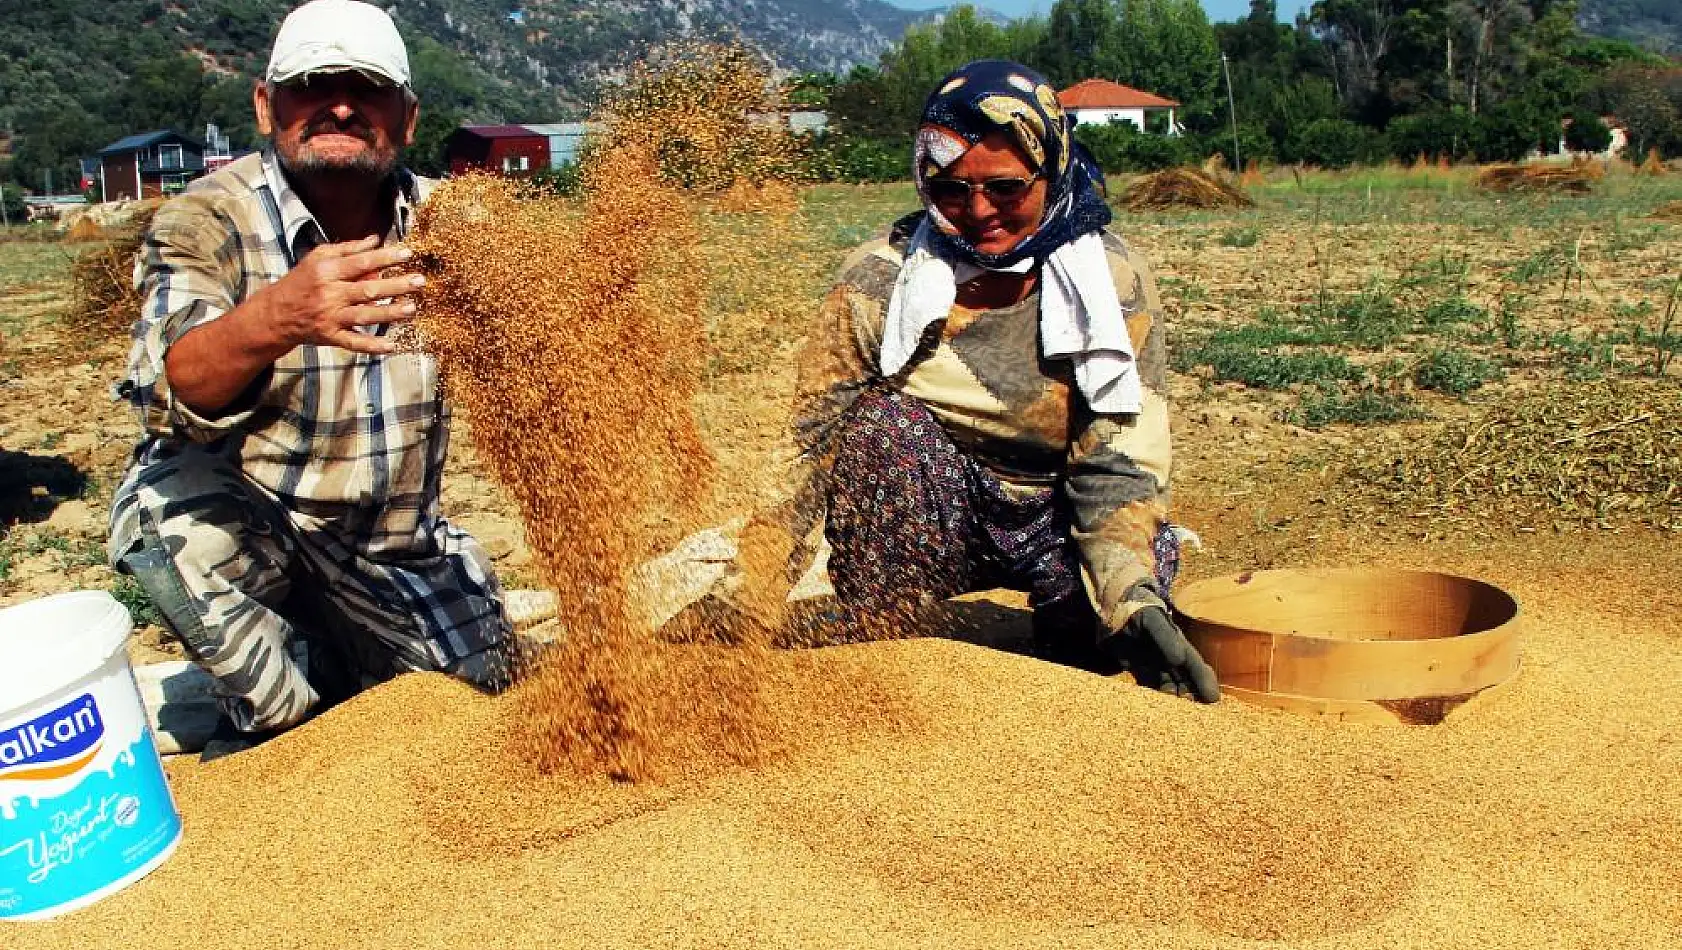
x: 330, y: 36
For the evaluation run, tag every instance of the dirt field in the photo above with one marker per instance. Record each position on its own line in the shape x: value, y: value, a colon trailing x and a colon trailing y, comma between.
x: 937, y: 793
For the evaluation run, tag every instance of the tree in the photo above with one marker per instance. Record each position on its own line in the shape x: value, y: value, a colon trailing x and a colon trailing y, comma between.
x: 1080, y: 42
x: 1587, y: 133
x: 1168, y: 47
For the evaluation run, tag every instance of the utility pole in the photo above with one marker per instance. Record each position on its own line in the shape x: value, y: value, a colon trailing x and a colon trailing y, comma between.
x: 1232, y: 110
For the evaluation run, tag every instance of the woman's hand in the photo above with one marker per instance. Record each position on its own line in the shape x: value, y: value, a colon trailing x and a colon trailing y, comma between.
x: 1160, y: 657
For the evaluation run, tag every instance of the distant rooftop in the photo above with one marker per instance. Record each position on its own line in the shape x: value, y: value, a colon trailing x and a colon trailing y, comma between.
x: 142, y: 140
x: 1103, y: 94
x: 497, y: 131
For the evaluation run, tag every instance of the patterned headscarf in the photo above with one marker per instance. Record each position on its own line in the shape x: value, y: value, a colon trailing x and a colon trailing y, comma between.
x: 993, y: 95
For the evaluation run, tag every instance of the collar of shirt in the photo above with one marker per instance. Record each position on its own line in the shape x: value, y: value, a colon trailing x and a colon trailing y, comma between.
x: 302, y: 232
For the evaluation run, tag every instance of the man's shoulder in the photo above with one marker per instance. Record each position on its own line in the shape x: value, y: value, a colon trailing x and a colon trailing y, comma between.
x: 228, y: 194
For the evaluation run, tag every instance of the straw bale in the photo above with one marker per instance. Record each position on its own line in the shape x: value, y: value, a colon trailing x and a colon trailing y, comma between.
x: 1183, y: 188
x: 1578, y: 177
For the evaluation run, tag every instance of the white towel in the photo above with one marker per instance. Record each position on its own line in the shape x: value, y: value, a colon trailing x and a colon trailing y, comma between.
x: 1080, y: 315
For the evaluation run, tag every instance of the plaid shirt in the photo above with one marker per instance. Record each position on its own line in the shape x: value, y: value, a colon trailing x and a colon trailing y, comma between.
x: 354, y: 443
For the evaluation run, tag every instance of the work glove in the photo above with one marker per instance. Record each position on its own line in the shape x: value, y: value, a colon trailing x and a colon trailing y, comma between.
x: 1160, y: 657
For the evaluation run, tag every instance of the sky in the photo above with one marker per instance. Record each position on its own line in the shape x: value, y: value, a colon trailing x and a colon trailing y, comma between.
x: 1219, y: 10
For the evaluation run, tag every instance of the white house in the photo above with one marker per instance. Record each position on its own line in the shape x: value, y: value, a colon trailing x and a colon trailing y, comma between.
x: 1101, y: 101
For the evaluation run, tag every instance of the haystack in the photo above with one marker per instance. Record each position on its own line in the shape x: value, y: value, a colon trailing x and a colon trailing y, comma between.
x: 1653, y: 165
x: 106, y: 300
x: 85, y: 229
x: 1183, y: 188
x: 1669, y: 211
x: 1575, y: 178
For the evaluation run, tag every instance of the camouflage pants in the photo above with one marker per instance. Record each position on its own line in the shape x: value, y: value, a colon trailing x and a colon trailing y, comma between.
x: 242, y: 582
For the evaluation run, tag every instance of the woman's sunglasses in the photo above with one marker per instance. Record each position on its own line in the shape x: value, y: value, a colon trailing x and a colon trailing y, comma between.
x: 997, y: 190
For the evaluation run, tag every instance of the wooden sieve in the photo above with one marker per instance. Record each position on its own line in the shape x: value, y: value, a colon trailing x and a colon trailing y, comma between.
x: 1368, y: 644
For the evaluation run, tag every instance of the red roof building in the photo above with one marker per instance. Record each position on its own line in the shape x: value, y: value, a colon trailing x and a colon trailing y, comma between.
x: 1101, y: 101
x: 512, y: 150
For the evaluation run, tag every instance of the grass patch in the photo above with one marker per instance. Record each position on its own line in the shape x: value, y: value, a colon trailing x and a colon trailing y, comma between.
x: 1241, y: 237
x: 1454, y: 372
x: 131, y: 595
x: 1371, y: 319
x: 1365, y: 407
x: 26, y: 264
x: 1234, y: 358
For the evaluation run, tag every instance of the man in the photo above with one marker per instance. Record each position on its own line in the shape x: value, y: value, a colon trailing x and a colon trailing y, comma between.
x: 282, y: 507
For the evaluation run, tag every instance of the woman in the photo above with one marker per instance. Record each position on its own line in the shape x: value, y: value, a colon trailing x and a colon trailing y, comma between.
x: 984, y: 406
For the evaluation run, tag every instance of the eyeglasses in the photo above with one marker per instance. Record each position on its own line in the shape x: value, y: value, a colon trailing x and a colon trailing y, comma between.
x: 952, y: 191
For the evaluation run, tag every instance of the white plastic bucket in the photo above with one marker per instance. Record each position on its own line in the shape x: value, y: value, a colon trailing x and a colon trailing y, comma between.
x: 84, y: 807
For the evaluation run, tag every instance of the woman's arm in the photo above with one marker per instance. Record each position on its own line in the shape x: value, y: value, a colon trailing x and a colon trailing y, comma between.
x: 1118, y: 467
x: 1117, y: 484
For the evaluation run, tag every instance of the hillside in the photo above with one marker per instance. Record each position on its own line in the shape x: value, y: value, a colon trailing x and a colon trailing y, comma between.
x: 1655, y: 24
x: 77, y: 74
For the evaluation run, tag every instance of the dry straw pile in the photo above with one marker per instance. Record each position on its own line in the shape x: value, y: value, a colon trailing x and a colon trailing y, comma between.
x: 106, y: 302
x: 1183, y: 188
x: 1578, y: 177
x: 1597, y: 456
x: 573, y: 335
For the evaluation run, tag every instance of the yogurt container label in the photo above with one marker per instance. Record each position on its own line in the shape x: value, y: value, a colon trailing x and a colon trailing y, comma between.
x: 84, y: 805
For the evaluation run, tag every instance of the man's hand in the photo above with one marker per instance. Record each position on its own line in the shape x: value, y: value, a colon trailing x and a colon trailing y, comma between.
x: 335, y: 290
x: 1159, y: 656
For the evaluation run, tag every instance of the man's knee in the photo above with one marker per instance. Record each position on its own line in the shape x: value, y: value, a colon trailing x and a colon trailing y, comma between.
x: 204, y: 518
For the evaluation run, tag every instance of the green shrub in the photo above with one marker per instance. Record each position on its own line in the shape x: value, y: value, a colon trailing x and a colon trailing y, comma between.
x: 1445, y: 132
x: 1509, y: 131
x: 1238, y: 361
x: 130, y: 594
x: 836, y: 156
x: 1453, y: 372
x: 1587, y: 133
x: 565, y: 179
x: 1339, y: 143
x: 1369, y: 319
x: 1451, y: 311
x: 1119, y: 147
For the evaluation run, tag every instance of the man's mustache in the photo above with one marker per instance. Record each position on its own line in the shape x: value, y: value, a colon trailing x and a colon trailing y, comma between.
x: 353, y: 127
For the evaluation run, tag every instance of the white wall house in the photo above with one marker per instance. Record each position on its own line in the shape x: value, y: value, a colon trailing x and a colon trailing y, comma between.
x: 1101, y: 101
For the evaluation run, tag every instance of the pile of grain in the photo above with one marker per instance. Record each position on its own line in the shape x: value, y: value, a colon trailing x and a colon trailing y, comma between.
x: 1598, y: 454
x: 1183, y: 188
x: 573, y: 335
x: 956, y: 796
x: 1578, y: 177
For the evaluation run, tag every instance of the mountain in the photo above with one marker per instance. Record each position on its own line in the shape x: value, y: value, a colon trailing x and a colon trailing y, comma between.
x: 568, y: 44
x: 78, y: 74
x: 1654, y: 24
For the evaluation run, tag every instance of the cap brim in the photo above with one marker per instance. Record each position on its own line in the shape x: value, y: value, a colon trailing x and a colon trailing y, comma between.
x: 304, y: 73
